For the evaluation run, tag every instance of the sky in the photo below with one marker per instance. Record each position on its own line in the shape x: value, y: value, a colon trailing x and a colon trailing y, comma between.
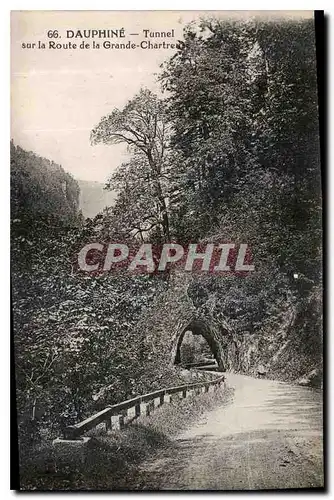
x: 58, y: 96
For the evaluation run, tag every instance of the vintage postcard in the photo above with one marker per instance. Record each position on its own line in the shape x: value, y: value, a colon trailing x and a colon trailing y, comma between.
x: 166, y: 250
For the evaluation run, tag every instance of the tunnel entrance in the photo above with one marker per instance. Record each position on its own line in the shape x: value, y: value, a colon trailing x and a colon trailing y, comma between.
x: 196, y: 344
x: 195, y: 349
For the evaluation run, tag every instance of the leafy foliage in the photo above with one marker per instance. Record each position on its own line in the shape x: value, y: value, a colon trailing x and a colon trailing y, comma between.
x: 142, y: 127
x: 230, y: 154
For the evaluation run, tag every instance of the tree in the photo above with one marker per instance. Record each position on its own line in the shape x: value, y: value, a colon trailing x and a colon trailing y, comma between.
x: 136, y: 210
x: 243, y: 106
x: 76, y: 344
x: 208, y: 105
x: 41, y: 189
x: 142, y: 126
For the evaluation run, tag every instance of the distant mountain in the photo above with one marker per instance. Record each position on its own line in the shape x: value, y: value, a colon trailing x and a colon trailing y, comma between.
x: 93, y: 198
x: 41, y: 189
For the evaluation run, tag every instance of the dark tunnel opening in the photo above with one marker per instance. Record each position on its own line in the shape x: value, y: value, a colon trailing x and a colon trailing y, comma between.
x: 197, y: 346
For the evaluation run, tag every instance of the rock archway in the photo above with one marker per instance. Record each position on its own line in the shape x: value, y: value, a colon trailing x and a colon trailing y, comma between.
x: 208, y: 330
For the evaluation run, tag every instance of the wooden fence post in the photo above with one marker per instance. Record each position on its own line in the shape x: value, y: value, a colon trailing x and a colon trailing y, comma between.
x: 68, y: 451
x: 145, y: 409
x: 108, y: 424
x: 128, y: 410
x: 117, y: 422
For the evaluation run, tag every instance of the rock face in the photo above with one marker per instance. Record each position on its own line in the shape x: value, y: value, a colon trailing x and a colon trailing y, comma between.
x: 312, y: 379
x: 284, y: 343
x: 261, y: 370
x: 41, y: 189
x: 94, y: 198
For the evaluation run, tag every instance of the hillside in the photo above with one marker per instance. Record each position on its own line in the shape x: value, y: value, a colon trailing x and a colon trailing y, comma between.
x: 41, y: 189
x: 93, y: 197
x: 231, y: 155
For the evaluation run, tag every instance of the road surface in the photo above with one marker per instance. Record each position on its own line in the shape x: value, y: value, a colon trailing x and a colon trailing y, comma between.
x: 269, y: 436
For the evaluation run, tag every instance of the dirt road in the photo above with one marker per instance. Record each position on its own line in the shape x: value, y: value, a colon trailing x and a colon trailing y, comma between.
x: 269, y: 436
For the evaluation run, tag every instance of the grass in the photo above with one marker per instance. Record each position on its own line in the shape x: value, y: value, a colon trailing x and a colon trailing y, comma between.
x: 112, y: 458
